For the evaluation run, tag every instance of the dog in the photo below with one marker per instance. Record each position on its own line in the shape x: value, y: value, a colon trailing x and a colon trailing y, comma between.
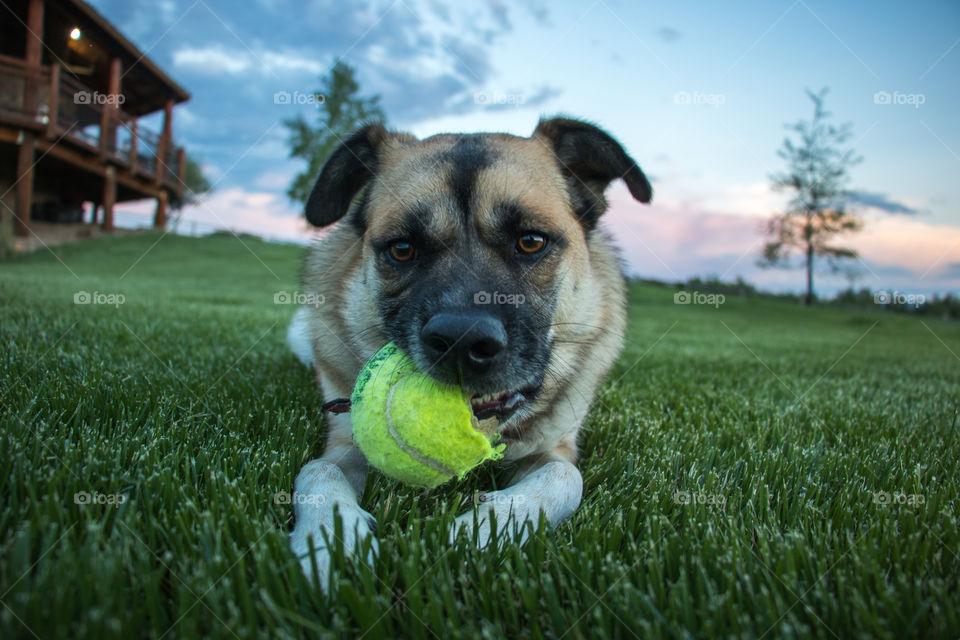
x: 480, y: 256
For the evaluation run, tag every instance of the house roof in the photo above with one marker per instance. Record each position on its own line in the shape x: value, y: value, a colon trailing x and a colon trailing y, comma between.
x: 146, y: 86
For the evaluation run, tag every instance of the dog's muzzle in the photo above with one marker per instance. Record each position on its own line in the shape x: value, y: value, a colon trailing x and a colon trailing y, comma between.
x: 463, y: 343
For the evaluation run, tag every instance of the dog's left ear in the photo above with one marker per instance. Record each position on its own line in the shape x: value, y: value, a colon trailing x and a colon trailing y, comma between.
x: 348, y: 169
x: 590, y: 159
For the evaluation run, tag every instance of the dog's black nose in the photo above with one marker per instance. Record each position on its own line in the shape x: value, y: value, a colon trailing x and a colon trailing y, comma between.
x: 469, y: 340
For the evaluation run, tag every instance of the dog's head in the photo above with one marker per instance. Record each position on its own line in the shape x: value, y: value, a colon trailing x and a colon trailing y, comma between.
x: 471, y: 242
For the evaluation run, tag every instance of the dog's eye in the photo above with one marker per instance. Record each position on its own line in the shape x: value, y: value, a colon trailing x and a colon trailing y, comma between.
x: 402, y: 251
x: 531, y: 243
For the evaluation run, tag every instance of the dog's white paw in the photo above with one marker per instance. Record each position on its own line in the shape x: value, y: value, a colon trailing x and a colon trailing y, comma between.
x: 357, y: 524
x: 298, y: 337
x: 509, y: 508
x: 553, y: 490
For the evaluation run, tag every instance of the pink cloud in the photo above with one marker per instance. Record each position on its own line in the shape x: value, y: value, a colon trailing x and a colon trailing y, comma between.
x: 668, y: 240
x: 898, y: 241
x: 262, y: 213
x: 675, y: 241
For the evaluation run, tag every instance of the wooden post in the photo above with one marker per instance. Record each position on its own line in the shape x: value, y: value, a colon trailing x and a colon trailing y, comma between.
x: 160, y: 217
x: 108, y: 118
x: 53, y: 113
x: 164, y: 145
x: 34, y: 54
x: 109, y: 197
x: 21, y: 222
x: 181, y: 170
x: 134, y: 152
x: 34, y: 31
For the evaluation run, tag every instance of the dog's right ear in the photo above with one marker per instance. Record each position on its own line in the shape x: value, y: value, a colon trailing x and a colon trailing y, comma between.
x: 347, y: 170
x: 590, y: 159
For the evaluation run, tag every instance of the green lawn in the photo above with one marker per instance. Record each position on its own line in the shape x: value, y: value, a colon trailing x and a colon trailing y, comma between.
x: 736, y: 469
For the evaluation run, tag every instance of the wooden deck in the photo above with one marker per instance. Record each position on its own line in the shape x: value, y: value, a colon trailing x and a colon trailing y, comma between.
x: 72, y: 92
x: 88, y: 127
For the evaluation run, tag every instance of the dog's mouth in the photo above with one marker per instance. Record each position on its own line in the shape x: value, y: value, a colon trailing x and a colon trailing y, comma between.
x: 500, y: 405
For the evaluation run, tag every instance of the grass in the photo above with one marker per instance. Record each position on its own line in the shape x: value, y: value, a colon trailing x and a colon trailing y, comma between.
x: 736, y: 467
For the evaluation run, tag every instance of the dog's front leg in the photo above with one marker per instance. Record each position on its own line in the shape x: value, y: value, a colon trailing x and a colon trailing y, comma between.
x: 547, y: 483
x: 334, y: 480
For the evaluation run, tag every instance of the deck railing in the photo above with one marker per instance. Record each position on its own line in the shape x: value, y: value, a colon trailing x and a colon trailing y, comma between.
x: 22, y: 90
x: 86, y: 117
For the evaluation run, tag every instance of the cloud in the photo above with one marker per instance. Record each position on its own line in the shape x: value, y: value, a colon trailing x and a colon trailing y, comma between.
x: 676, y: 240
x: 441, y: 10
x: 142, y: 22
x: 423, y: 71
x: 665, y: 241
x: 236, y: 209
x: 423, y: 57
x: 218, y: 60
x: 274, y: 180
x: 882, y: 202
x: 470, y: 59
x: 952, y: 269
x: 668, y: 34
x: 755, y: 199
x: 288, y: 62
x: 539, y: 11
x: 924, y: 248
x: 212, y: 60
x: 259, y: 212
x: 496, y: 100
x: 543, y: 95
x: 427, y: 59
x: 432, y: 95
x: 498, y: 10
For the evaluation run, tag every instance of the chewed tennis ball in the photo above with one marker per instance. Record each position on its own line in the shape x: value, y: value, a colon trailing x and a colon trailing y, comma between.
x: 413, y: 428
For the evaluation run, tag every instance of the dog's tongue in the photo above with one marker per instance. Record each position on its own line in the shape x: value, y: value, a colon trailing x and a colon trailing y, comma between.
x: 486, y: 406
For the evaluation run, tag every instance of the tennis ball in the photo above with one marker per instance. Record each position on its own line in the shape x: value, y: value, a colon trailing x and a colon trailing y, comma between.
x: 413, y: 428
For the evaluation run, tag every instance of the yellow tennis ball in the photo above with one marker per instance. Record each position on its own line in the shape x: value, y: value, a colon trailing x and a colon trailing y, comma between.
x: 413, y: 428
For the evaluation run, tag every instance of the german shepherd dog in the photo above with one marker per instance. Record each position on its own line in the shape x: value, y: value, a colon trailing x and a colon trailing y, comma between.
x: 479, y: 255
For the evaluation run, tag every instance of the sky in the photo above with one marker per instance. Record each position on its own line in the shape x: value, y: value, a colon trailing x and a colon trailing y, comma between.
x: 697, y: 92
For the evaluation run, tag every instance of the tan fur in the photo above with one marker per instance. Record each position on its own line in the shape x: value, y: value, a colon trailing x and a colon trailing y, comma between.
x: 582, y: 283
x: 588, y: 323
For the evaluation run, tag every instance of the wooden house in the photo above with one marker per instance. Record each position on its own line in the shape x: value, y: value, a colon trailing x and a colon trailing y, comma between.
x: 72, y: 89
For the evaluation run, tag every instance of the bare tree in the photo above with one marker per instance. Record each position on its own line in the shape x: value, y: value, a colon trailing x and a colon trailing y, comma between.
x: 816, y: 177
